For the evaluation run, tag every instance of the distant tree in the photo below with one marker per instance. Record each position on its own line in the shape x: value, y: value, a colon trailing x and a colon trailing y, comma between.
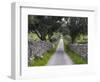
x: 64, y: 26
x: 36, y: 25
x: 77, y: 26
x: 83, y: 24
x: 73, y: 27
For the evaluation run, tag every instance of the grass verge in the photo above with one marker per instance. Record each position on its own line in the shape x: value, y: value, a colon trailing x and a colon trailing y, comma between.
x: 43, y: 61
x: 76, y: 58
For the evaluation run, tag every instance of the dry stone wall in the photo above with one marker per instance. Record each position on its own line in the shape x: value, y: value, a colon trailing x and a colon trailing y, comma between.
x: 82, y: 49
x: 37, y: 48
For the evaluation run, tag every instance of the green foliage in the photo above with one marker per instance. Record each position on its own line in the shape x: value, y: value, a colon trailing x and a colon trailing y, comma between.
x: 55, y: 38
x: 82, y: 39
x: 68, y: 38
x: 76, y: 58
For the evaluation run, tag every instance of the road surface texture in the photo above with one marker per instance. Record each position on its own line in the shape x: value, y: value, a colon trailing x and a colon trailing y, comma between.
x: 60, y: 57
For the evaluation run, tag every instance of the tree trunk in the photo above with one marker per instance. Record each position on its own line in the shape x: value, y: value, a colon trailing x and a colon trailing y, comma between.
x: 37, y: 33
x: 49, y: 37
x: 43, y: 38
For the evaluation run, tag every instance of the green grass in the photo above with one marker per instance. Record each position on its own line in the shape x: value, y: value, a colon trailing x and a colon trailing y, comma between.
x: 76, y: 58
x: 43, y: 61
